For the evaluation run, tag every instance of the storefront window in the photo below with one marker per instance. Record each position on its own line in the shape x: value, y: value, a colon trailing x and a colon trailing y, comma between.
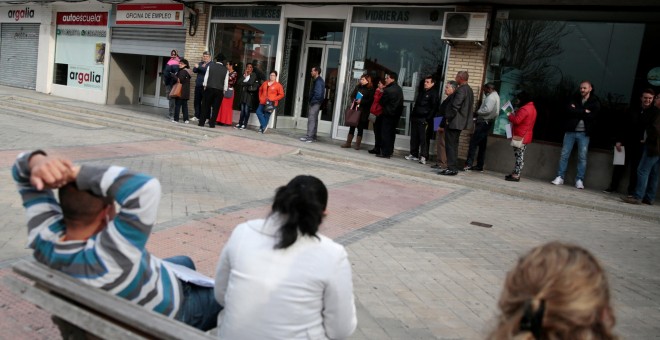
x: 549, y: 59
x: 80, y: 49
x: 412, y: 53
x: 244, y: 43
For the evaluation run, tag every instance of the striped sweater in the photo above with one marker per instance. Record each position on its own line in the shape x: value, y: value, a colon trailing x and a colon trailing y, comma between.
x: 114, y: 259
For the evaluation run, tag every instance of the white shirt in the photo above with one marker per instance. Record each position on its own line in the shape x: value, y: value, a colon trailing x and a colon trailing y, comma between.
x: 302, y: 292
x: 490, y: 108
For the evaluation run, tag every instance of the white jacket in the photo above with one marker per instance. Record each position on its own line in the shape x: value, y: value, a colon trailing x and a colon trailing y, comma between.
x: 302, y: 292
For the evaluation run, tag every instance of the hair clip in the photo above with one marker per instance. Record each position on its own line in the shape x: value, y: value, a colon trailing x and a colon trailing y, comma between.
x: 532, y: 321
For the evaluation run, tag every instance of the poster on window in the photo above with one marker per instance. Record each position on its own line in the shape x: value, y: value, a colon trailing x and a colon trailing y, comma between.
x: 80, y: 49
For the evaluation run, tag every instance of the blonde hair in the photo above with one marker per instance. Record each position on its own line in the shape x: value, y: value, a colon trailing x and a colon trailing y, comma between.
x: 564, y: 288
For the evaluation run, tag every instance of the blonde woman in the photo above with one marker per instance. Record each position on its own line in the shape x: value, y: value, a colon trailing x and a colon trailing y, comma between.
x: 556, y: 291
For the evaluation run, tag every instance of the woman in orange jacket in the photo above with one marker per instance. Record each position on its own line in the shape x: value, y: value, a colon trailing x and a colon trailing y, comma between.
x: 270, y: 93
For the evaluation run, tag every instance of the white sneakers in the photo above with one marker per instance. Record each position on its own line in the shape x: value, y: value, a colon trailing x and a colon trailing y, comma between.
x: 422, y: 160
x: 411, y: 158
x: 559, y: 181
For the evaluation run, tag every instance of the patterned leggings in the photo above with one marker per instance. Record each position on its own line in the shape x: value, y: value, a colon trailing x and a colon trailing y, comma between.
x: 520, y: 154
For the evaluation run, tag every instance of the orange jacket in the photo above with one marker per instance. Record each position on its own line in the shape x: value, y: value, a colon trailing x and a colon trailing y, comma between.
x: 273, y: 93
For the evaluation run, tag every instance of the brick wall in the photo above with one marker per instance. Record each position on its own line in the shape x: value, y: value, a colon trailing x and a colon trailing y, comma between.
x: 470, y: 57
x: 195, y: 45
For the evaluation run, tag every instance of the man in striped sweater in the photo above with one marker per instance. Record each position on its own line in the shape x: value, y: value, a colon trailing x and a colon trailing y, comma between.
x: 83, y: 236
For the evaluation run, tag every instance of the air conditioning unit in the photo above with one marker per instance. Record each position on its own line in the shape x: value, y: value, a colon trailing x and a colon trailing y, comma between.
x: 465, y: 26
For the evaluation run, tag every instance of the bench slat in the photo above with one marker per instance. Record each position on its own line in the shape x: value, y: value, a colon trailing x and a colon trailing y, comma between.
x: 111, y: 307
x: 71, y: 313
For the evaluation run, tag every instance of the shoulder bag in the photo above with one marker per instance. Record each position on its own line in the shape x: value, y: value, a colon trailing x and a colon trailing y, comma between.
x: 517, y: 141
x: 229, y: 93
x: 352, y: 115
x: 176, y: 90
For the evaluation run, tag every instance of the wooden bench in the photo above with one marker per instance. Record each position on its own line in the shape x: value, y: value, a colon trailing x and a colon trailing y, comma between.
x: 84, y: 312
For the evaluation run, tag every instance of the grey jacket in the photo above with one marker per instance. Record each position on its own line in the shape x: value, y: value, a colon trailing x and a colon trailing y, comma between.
x: 459, y: 114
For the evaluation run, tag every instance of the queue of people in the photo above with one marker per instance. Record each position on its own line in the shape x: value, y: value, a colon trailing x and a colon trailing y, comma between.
x: 278, y: 277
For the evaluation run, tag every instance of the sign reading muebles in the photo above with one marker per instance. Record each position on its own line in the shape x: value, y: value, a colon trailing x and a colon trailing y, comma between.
x: 80, y: 49
x: 150, y: 14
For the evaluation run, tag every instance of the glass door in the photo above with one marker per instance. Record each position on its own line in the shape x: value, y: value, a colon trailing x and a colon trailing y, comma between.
x: 152, y: 82
x: 291, y: 73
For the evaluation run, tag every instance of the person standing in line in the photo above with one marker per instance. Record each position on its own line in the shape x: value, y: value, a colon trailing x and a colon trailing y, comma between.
x: 630, y: 135
x: 580, y: 116
x: 366, y: 90
x: 278, y: 278
x: 426, y: 106
x: 374, y: 113
x: 226, y: 114
x: 459, y: 118
x: 270, y: 91
x: 316, y: 96
x: 200, y: 69
x: 216, y: 82
x: 249, y: 86
x: 392, y: 103
x: 181, y: 103
x: 441, y: 150
x: 485, y: 117
x: 522, y: 124
x: 649, y: 164
x: 170, y: 78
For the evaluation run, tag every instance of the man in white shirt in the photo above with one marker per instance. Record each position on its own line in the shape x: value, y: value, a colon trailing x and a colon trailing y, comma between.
x: 484, y: 118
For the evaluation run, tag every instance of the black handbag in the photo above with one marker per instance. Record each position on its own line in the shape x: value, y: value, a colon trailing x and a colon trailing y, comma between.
x: 269, y: 107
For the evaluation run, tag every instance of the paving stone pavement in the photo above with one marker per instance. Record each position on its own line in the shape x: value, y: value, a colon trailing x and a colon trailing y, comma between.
x: 421, y: 270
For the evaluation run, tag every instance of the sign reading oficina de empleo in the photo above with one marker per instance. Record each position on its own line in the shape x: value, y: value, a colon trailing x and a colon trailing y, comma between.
x: 150, y: 14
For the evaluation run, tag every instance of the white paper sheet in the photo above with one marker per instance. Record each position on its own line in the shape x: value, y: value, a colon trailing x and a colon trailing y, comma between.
x: 188, y: 275
x: 509, y: 133
x: 619, y: 156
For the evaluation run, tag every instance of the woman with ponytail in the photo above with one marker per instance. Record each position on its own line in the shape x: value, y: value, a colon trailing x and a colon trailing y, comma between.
x: 278, y: 278
x: 556, y: 291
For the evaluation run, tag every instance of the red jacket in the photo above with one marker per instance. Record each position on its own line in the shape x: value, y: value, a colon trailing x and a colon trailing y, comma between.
x: 273, y: 93
x: 376, y: 109
x: 522, y: 122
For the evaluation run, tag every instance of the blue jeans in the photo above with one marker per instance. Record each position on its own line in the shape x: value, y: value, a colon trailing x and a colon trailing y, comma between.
x: 245, y: 114
x: 583, y: 146
x: 263, y: 116
x: 647, y: 177
x: 198, y: 308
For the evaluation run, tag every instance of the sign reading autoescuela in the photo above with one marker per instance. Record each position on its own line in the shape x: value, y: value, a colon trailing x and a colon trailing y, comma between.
x: 150, y: 14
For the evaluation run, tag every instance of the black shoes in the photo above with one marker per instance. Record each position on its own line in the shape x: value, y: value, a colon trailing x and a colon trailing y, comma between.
x: 382, y: 156
x: 374, y: 151
x: 608, y: 190
x: 448, y: 172
x: 473, y: 168
x: 511, y: 178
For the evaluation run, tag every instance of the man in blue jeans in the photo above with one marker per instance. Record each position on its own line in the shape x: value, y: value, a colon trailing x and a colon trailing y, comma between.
x: 83, y: 236
x: 582, y: 110
x: 647, y: 171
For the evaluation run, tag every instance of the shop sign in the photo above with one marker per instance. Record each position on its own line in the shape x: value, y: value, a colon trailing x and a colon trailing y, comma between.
x: 83, y: 76
x: 150, y: 14
x: 251, y: 13
x: 82, y: 18
x: 21, y: 14
x: 399, y: 15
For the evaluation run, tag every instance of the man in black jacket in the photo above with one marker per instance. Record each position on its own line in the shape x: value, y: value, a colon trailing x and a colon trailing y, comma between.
x: 580, y: 116
x: 392, y: 103
x: 629, y: 133
x: 215, y: 83
x: 426, y: 106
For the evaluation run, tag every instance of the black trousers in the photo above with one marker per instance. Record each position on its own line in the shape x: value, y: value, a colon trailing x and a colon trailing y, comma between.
x: 388, y: 134
x: 451, y: 144
x: 479, y: 140
x: 418, y: 127
x: 199, y: 96
x: 633, y: 155
x: 378, y: 131
x: 211, y: 105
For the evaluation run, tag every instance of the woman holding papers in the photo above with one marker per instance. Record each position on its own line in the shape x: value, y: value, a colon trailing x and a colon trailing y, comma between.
x: 278, y: 278
x: 522, y: 125
x: 364, y: 96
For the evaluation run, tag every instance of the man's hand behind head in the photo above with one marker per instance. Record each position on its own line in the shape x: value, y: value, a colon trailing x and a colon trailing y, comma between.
x: 48, y: 172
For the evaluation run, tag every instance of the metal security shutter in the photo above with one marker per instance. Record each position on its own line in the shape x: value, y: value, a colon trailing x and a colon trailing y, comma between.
x: 19, y: 49
x: 147, y: 41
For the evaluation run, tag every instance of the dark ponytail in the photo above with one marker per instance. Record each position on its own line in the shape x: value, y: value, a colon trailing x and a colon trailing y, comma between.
x: 301, y: 204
